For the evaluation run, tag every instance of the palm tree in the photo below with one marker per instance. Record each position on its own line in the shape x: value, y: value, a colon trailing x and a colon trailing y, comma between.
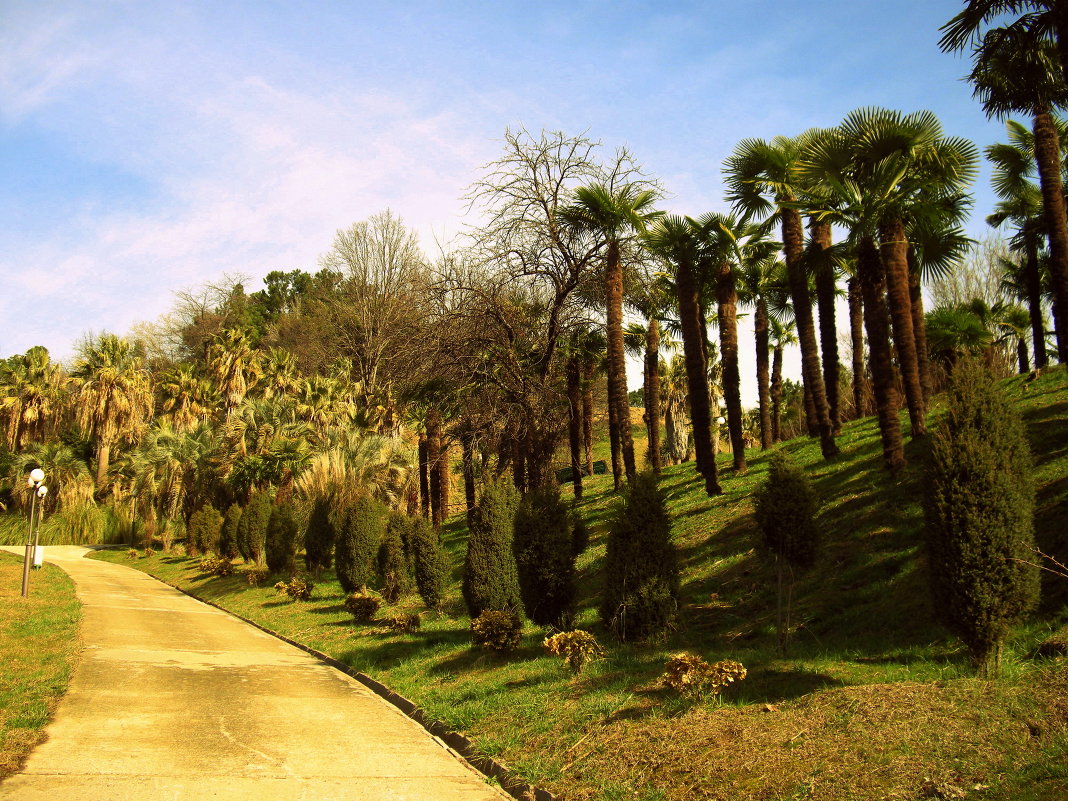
x: 819, y: 261
x: 954, y: 332
x: 614, y: 213
x: 185, y: 398
x: 1013, y: 73
x: 32, y: 395
x: 1021, y: 205
x: 234, y: 365
x: 113, y: 395
x: 681, y: 243
x: 673, y: 395
x: 762, y: 178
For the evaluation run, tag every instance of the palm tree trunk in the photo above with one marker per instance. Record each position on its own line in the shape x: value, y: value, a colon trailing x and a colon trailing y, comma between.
x: 776, y: 393
x: 1021, y: 356
x: 587, y: 414
x: 574, y: 422
x: 103, y: 456
x: 894, y: 251
x: 652, y: 392
x: 1034, y: 304
x: 433, y: 458
x: 617, y: 365
x: 693, y: 335
x: 760, y: 327
x: 812, y: 423
x: 877, y: 323
x: 727, y: 303
x: 919, y: 327
x: 616, y: 450
x: 424, y: 475
x: 856, y: 338
x: 1047, y: 156
x: 825, y: 296
x: 467, y: 456
x: 444, y: 480
x: 793, y: 243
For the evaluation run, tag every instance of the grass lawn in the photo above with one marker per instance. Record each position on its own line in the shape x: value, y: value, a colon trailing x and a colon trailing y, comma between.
x: 875, y: 700
x: 39, y: 642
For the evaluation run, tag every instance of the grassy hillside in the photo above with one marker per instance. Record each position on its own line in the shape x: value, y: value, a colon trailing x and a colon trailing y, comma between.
x: 874, y: 701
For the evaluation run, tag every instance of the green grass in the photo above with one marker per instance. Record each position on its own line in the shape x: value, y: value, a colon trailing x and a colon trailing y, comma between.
x: 874, y: 700
x: 38, y: 639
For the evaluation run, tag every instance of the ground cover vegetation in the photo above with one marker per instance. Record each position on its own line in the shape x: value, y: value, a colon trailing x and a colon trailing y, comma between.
x: 39, y: 636
x: 337, y: 409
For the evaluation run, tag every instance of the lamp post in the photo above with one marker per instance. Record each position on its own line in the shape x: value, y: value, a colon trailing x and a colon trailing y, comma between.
x: 34, y: 484
x: 42, y: 491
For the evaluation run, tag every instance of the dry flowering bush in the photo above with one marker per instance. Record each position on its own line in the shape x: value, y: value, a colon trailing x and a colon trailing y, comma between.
x: 255, y: 576
x: 363, y: 605
x: 577, y: 647
x: 692, y: 676
x: 297, y: 588
x: 406, y: 621
x: 133, y: 553
x: 216, y: 565
x: 498, y: 631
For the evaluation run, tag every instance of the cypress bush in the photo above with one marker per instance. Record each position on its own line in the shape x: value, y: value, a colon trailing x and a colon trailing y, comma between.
x: 393, y: 565
x: 358, y: 541
x: 544, y: 557
x: 786, y: 506
x: 978, y: 510
x: 227, y: 547
x: 490, y: 580
x: 430, y: 563
x: 319, y: 537
x: 281, y: 542
x: 252, y: 527
x: 641, y: 565
x: 205, y: 525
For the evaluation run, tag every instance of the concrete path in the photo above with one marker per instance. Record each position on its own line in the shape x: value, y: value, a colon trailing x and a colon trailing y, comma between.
x: 174, y: 700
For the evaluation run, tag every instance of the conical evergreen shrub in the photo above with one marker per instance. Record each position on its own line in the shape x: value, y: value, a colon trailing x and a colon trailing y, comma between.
x: 429, y: 561
x: 358, y: 542
x: 544, y: 557
x: 319, y: 537
x: 641, y: 565
x: 205, y: 525
x: 252, y: 527
x: 490, y: 580
x: 393, y: 566
x: 785, y: 507
x: 228, y: 533
x: 281, y: 543
x: 979, y: 509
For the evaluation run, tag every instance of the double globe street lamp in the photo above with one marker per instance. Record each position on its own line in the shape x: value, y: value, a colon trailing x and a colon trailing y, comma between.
x: 35, y: 483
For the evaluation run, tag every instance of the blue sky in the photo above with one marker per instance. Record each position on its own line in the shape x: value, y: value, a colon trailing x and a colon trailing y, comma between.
x: 147, y: 147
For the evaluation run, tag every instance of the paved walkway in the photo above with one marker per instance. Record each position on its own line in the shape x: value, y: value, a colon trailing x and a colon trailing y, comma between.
x: 174, y: 700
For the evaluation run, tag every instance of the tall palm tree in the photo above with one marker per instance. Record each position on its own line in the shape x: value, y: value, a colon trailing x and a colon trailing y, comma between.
x: 819, y: 261
x: 185, y: 398
x: 762, y: 178
x: 113, y: 395
x: 781, y: 333
x: 1013, y: 73
x: 234, y: 365
x: 761, y: 280
x: 681, y: 242
x: 614, y: 212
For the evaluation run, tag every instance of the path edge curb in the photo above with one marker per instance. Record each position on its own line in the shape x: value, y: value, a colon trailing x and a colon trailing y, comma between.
x: 465, y: 749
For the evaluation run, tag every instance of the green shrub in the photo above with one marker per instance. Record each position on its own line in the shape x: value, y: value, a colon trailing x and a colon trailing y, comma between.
x: 358, y: 542
x: 205, y: 527
x: 431, y: 563
x: 490, y: 580
x: 227, y: 547
x: 255, y: 576
x: 641, y: 565
x: 785, y: 507
x: 133, y: 553
x: 544, y: 557
x: 319, y: 537
x: 393, y: 564
x: 497, y: 630
x: 978, y: 509
x: 577, y: 647
x: 281, y: 541
x: 363, y: 605
x: 252, y: 527
x: 216, y: 565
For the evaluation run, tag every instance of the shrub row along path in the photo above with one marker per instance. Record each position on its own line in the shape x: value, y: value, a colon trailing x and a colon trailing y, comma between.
x: 174, y: 699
